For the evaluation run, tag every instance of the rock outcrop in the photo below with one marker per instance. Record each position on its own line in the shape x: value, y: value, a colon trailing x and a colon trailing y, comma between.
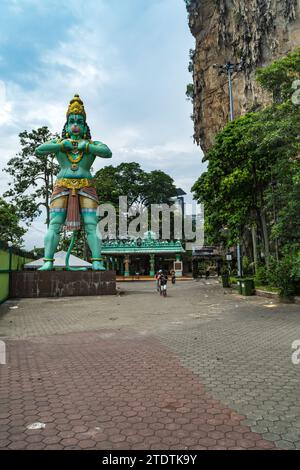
x: 257, y: 31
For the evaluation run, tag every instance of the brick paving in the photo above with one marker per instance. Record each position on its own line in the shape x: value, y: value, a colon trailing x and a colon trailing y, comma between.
x: 198, y: 370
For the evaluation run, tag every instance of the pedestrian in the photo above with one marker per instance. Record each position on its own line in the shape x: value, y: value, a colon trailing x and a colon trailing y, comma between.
x: 163, y: 284
x: 158, y: 274
x: 173, y: 276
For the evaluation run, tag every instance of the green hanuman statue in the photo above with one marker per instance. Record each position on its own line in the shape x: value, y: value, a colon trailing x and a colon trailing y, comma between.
x: 74, y: 198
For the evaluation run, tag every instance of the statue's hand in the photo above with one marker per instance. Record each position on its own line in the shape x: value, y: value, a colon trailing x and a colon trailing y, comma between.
x: 66, y: 145
x: 83, y: 145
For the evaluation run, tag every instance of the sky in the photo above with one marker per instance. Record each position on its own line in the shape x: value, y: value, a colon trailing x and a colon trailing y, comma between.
x: 128, y: 61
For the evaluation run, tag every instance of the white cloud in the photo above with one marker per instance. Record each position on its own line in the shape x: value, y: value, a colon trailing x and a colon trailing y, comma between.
x: 131, y: 71
x: 5, y: 106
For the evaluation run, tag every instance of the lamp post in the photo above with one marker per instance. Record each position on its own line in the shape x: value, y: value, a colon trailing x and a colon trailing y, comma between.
x: 9, y: 244
x: 179, y: 198
x: 273, y: 186
x: 228, y: 69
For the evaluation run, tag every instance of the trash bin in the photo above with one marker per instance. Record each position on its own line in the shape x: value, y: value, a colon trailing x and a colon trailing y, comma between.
x: 247, y: 286
x: 239, y: 285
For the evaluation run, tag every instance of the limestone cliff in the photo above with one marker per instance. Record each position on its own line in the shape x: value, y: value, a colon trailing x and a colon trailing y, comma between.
x: 257, y: 31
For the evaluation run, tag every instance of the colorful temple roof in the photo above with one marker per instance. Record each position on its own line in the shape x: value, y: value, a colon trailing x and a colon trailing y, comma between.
x: 147, y: 244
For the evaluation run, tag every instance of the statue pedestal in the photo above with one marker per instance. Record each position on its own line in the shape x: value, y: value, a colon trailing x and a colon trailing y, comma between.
x: 62, y: 283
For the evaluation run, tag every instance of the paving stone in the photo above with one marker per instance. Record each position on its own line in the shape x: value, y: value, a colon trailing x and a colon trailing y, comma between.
x: 282, y: 444
x: 191, y: 383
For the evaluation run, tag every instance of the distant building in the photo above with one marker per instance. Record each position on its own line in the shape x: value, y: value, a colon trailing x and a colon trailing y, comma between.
x: 143, y: 256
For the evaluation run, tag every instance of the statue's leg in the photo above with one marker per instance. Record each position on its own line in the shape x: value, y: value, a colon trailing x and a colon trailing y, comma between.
x: 57, y: 219
x: 90, y: 221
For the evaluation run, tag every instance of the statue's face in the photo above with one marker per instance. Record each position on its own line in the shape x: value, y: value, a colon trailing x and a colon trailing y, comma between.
x: 76, y: 125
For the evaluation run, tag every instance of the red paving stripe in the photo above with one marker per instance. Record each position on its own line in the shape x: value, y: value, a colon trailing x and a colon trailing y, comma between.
x: 111, y: 390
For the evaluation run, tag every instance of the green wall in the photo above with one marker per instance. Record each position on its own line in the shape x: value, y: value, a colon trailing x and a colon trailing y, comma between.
x: 18, y: 259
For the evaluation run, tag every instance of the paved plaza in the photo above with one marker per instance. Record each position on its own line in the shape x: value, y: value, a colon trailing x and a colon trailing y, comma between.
x: 202, y: 369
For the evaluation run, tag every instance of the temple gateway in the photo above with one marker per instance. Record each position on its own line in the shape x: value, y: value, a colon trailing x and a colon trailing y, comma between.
x: 143, y: 256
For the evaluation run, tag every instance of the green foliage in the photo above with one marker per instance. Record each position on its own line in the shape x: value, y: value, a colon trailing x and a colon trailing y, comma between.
x: 224, y: 270
x: 280, y: 75
x: 261, y: 276
x: 253, y: 173
x: 81, y: 248
x: 37, y: 252
x: 284, y: 274
x: 190, y: 92
x: 231, y: 189
x: 188, y: 3
x: 33, y: 176
x: 191, y: 62
x: 10, y: 230
x: 247, y: 265
x: 140, y: 187
x: 283, y: 197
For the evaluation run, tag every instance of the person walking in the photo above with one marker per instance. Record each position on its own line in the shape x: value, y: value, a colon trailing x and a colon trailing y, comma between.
x: 157, y: 276
x: 163, y: 284
x: 207, y: 272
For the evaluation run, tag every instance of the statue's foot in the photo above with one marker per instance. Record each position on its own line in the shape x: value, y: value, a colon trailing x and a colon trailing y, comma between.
x: 98, y: 266
x: 47, y: 266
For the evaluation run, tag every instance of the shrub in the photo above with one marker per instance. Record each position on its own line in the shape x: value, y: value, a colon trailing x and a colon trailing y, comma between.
x: 224, y: 271
x: 285, y: 274
x: 261, y: 276
x: 246, y: 265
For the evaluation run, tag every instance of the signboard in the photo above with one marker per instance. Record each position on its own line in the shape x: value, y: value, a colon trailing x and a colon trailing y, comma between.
x: 178, y: 268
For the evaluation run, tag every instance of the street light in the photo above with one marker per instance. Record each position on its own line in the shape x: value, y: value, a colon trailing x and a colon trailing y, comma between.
x: 273, y: 186
x: 228, y: 69
x: 9, y: 244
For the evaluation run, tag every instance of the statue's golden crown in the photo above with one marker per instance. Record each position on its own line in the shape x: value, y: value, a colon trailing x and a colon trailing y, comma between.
x: 76, y: 106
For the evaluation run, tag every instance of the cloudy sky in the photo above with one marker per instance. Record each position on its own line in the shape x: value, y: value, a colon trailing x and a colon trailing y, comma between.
x: 128, y: 61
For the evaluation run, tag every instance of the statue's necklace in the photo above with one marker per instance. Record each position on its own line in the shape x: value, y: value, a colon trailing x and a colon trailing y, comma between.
x: 78, y: 157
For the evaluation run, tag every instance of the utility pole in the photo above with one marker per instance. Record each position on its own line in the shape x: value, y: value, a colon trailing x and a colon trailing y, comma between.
x: 273, y: 186
x: 228, y: 69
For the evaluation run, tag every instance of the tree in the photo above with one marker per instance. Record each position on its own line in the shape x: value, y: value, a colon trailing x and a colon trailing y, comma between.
x: 253, y: 168
x: 80, y: 249
x: 10, y: 230
x: 141, y: 188
x: 32, y: 175
x: 279, y: 76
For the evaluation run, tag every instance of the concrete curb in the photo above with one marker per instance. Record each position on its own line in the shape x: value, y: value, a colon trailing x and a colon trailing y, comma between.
x: 265, y: 293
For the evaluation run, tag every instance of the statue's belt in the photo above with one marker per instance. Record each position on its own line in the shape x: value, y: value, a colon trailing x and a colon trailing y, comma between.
x: 74, y: 183
x: 76, y: 187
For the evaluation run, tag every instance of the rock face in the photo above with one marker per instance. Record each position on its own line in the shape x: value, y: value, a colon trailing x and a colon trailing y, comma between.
x: 257, y: 31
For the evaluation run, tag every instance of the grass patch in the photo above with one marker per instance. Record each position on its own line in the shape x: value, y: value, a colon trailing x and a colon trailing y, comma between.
x: 268, y: 288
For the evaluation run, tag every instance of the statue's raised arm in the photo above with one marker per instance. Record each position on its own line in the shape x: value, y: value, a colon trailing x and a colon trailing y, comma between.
x: 98, y: 149
x: 52, y: 146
